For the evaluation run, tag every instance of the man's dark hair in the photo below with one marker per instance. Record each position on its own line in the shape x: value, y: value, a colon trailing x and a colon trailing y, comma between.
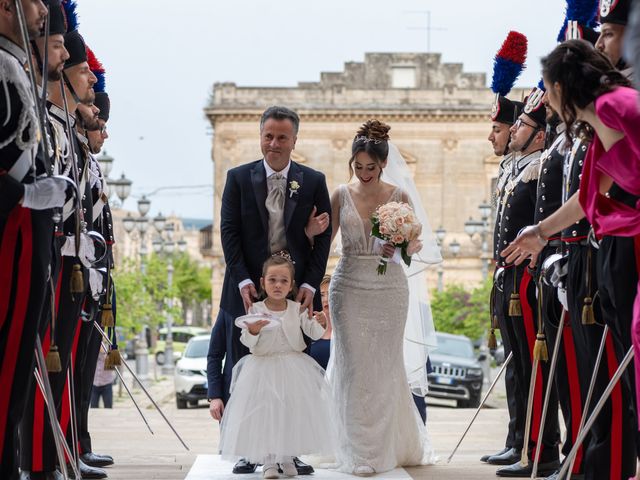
x: 281, y: 113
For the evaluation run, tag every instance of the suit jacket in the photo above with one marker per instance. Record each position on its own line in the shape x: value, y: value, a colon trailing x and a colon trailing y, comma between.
x: 244, y: 227
x: 293, y: 324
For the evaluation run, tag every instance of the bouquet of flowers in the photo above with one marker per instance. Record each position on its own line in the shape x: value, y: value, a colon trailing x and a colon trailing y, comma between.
x: 396, y: 223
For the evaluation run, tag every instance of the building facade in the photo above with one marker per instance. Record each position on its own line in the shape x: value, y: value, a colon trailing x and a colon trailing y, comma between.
x: 439, y: 117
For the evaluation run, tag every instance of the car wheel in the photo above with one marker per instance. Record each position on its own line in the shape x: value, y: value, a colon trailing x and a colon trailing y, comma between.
x: 181, y: 403
x: 160, y: 358
x: 461, y: 404
x: 474, y: 402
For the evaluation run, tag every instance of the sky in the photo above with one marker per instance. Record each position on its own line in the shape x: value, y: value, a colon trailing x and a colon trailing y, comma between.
x: 163, y: 57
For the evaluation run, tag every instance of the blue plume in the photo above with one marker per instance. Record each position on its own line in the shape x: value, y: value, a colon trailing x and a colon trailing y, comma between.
x: 100, y: 85
x: 71, y: 15
x: 505, y: 74
x: 583, y: 11
x: 541, y: 85
x: 563, y: 30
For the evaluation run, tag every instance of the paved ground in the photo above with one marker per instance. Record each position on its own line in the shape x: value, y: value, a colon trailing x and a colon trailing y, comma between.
x: 142, y: 456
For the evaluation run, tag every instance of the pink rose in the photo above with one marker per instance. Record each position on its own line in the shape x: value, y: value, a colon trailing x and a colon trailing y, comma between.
x: 399, y: 221
x: 397, y: 239
x: 383, y: 230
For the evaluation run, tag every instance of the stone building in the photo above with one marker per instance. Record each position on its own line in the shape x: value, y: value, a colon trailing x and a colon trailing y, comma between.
x: 439, y: 117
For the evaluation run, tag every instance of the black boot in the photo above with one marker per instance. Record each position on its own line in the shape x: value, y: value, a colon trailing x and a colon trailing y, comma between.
x: 95, y: 460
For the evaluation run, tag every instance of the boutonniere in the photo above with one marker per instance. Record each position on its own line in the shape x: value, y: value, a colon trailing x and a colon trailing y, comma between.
x: 293, y: 188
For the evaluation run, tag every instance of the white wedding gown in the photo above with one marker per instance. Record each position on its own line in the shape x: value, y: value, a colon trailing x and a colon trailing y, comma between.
x: 377, y: 421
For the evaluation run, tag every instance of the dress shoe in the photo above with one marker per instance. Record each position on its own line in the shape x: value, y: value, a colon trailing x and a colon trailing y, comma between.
x: 87, y: 472
x: 486, y: 457
x: 243, y: 466
x: 55, y: 475
x: 508, y: 457
x: 270, y: 471
x: 517, y: 470
x: 95, y: 460
x: 303, y: 468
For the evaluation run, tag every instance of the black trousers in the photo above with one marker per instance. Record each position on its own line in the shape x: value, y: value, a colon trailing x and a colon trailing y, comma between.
x: 37, y: 446
x: 519, y: 279
x: 617, y: 281
x: 516, y: 393
x: 84, y: 370
x: 566, y: 380
x: 25, y: 255
x: 610, y: 450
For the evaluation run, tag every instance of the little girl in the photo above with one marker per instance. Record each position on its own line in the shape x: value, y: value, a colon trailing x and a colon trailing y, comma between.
x: 279, y: 404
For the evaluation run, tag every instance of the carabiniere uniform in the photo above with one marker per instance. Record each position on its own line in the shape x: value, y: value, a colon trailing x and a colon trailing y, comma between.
x: 506, y: 113
x: 25, y: 245
x: 38, y: 452
x: 519, y: 301
x: 611, y: 451
x: 554, y: 317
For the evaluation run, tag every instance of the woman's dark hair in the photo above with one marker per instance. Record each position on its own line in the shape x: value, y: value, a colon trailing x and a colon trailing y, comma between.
x: 372, y: 138
x: 281, y: 113
x: 583, y: 74
x: 277, y: 260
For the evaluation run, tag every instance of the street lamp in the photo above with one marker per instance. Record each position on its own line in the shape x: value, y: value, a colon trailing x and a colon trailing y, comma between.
x: 164, y: 243
x: 106, y: 163
x: 122, y: 187
x: 481, y: 227
x: 440, y: 234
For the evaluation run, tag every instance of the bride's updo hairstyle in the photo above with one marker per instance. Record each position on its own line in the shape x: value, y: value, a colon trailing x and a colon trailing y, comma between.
x: 583, y: 74
x: 373, y: 139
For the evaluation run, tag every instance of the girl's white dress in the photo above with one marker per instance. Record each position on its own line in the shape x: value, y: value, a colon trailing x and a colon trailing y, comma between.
x: 280, y: 400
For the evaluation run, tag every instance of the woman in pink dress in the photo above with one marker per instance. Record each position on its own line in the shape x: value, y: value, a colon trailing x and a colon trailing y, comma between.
x: 595, y: 100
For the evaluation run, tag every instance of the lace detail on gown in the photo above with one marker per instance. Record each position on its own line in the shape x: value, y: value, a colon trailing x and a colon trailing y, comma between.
x: 377, y: 421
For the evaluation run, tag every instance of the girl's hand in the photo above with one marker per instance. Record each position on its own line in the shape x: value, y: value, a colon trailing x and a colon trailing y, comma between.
x: 255, y: 327
x: 321, y: 318
x: 388, y: 250
x: 414, y: 247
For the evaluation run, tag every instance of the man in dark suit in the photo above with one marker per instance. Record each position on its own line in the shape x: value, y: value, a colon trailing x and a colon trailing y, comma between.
x: 268, y: 205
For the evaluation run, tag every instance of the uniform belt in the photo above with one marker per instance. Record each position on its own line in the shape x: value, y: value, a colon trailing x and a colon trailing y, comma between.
x: 618, y: 194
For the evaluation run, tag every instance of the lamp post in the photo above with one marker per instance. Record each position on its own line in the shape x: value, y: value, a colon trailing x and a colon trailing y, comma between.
x: 454, y: 248
x: 481, y: 227
x: 122, y: 186
x: 141, y: 225
x: 164, y: 243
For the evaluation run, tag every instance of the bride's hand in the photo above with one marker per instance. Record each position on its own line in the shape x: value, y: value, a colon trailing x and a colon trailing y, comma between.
x: 388, y: 250
x: 414, y: 247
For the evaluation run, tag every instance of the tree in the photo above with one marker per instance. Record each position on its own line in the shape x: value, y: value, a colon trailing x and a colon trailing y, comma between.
x: 142, y: 299
x: 460, y: 311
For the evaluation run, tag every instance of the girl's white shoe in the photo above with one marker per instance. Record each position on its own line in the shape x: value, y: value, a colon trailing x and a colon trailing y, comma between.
x: 363, y: 471
x: 289, y: 469
x: 270, y: 471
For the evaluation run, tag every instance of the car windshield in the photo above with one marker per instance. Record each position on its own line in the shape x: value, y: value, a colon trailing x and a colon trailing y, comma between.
x: 456, y: 347
x: 197, y: 348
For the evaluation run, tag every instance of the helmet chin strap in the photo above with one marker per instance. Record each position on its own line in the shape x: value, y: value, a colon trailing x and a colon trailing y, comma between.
x: 530, y: 139
x: 506, y: 147
x: 67, y: 82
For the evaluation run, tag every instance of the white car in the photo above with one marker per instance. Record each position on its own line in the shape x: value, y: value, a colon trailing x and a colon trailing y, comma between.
x: 190, y: 378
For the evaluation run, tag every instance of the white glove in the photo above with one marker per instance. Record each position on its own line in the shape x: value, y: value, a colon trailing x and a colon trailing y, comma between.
x: 44, y: 194
x: 96, y: 283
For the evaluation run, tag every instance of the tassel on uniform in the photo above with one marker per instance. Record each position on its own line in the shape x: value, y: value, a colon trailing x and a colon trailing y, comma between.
x: 52, y: 361
x: 588, y: 317
x: 113, y: 359
x: 492, y: 342
x: 107, y: 319
x: 77, y: 282
x: 515, y: 307
x: 540, y: 351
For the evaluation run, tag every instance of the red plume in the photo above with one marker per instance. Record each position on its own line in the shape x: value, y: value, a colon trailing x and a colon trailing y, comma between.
x: 94, y: 63
x: 514, y: 48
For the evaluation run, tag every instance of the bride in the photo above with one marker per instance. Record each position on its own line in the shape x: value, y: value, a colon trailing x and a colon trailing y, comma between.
x: 379, y: 427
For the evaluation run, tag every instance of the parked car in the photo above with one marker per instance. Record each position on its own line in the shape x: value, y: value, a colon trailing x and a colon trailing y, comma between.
x: 457, y: 374
x: 190, y: 377
x: 181, y: 335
